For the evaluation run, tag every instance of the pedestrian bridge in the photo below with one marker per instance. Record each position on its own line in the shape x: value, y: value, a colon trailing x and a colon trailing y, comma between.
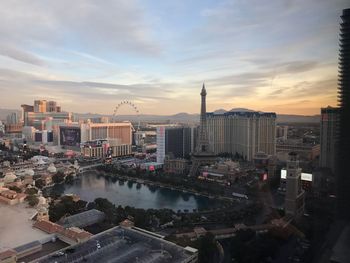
x: 89, y: 167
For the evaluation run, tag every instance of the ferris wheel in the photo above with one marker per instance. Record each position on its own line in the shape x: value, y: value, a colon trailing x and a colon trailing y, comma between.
x: 131, y: 105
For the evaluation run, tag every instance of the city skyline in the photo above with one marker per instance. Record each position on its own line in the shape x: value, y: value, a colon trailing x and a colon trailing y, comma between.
x: 278, y: 57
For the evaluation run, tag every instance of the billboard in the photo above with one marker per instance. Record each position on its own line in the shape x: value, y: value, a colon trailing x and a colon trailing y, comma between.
x: 304, y: 176
x: 70, y: 136
x: 49, y: 136
x: 38, y: 137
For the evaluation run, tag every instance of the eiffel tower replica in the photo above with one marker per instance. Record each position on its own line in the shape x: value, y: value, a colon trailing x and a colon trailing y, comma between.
x: 202, y: 155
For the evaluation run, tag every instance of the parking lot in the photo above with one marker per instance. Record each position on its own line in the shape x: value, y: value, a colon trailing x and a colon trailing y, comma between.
x: 121, y: 245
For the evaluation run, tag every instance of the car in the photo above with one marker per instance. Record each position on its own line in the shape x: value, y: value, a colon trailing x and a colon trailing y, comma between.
x: 58, y: 254
x: 70, y: 250
x: 98, y: 245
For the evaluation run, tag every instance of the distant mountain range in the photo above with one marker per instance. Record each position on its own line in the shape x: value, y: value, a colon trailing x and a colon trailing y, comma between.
x: 190, y: 118
x: 181, y: 117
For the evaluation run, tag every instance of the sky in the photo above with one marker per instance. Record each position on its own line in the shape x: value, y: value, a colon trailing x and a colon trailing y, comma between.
x: 268, y: 55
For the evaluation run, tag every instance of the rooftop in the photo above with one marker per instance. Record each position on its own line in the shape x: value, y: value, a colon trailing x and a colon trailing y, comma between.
x: 121, y: 244
x: 27, y: 246
x: 83, y: 219
x: 7, y: 254
x: 48, y: 226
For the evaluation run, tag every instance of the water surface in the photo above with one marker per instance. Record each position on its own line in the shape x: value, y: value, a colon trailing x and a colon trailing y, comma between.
x: 91, y: 186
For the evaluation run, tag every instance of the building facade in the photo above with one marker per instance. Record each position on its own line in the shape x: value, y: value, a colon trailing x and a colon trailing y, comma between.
x: 105, y: 149
x: 121, y: 131
x: 69, y: 135
x: 243, y: 133
x: 104, y: 140
x: 42, y: 111
x: 46, y: 106
x: 328, y: 140
x: 343, y: 178
x: 305, y: 151
x: 294, y: 199
x: 175, y: 142
x: 39, y: 119
x: 266, y: 164
x: 160, y: 144
x: 177, y: 166
x: 282, y: 132
x: 12, y: 118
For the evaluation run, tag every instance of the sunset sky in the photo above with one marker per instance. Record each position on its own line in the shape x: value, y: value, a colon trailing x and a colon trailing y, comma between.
x: 268, y: 55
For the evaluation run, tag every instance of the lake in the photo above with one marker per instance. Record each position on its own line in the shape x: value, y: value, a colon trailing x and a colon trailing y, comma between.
x: 127, y: 193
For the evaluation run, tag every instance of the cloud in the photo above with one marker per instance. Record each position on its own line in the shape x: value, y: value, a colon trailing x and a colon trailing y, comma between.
x: 116, y: 26
x: 246, y: 84
x: 89, y: 55
x: 21, y: 55
x: 78, y: 95
x: 292, y: 67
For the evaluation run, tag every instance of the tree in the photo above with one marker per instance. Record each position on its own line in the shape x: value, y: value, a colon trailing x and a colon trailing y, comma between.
x: 206, y: 248
x: 69, y: 179
x: 55, y: 191
x: 66, y: 206
x: 58, y: 178
x: 15, y: 188
x: 39, y: 183
x: 31, y: 191
x: 32, y: 200
x: 104, y: 205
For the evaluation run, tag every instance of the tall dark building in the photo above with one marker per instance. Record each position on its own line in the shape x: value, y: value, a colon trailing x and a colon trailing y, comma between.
x: 343, y: 173
x: 178, y: 141
x: 328, y: 141
x: 175, y: 142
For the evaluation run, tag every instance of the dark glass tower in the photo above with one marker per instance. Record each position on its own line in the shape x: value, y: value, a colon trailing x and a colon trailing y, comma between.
x: 343, y: 177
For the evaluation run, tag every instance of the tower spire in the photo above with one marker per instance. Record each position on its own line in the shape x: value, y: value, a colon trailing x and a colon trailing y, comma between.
x: 202, y: 153
x: 203, y: 92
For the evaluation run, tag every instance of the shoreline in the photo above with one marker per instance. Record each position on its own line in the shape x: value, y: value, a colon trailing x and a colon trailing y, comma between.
x: 229, y: 202
x: 163, y: 185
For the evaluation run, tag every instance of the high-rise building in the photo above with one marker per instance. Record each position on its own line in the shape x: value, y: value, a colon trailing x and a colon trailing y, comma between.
x: 175, y: 142
x: 51, y: 106
x: 26, y: 108
x: 46, y: 106
x: 42, y: 111
x: 243, y: 133
x: 160, y: 144
x: 295, y: 195
x: 343, y: 175
x: 105, y: 149
x: 39, y: 120
x: 40, y: 105
x: 121, y: 131
x: 12, y: 118
x: 328, y: 140
x: 282, y: 132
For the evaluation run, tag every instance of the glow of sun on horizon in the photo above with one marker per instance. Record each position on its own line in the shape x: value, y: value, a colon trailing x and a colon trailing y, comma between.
x: 280, y: 57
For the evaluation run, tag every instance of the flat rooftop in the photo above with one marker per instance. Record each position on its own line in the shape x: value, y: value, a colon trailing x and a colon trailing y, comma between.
x: 83, y: 219
x: 121, y: 244
x: 47, y: 248
x: 16, y: 227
